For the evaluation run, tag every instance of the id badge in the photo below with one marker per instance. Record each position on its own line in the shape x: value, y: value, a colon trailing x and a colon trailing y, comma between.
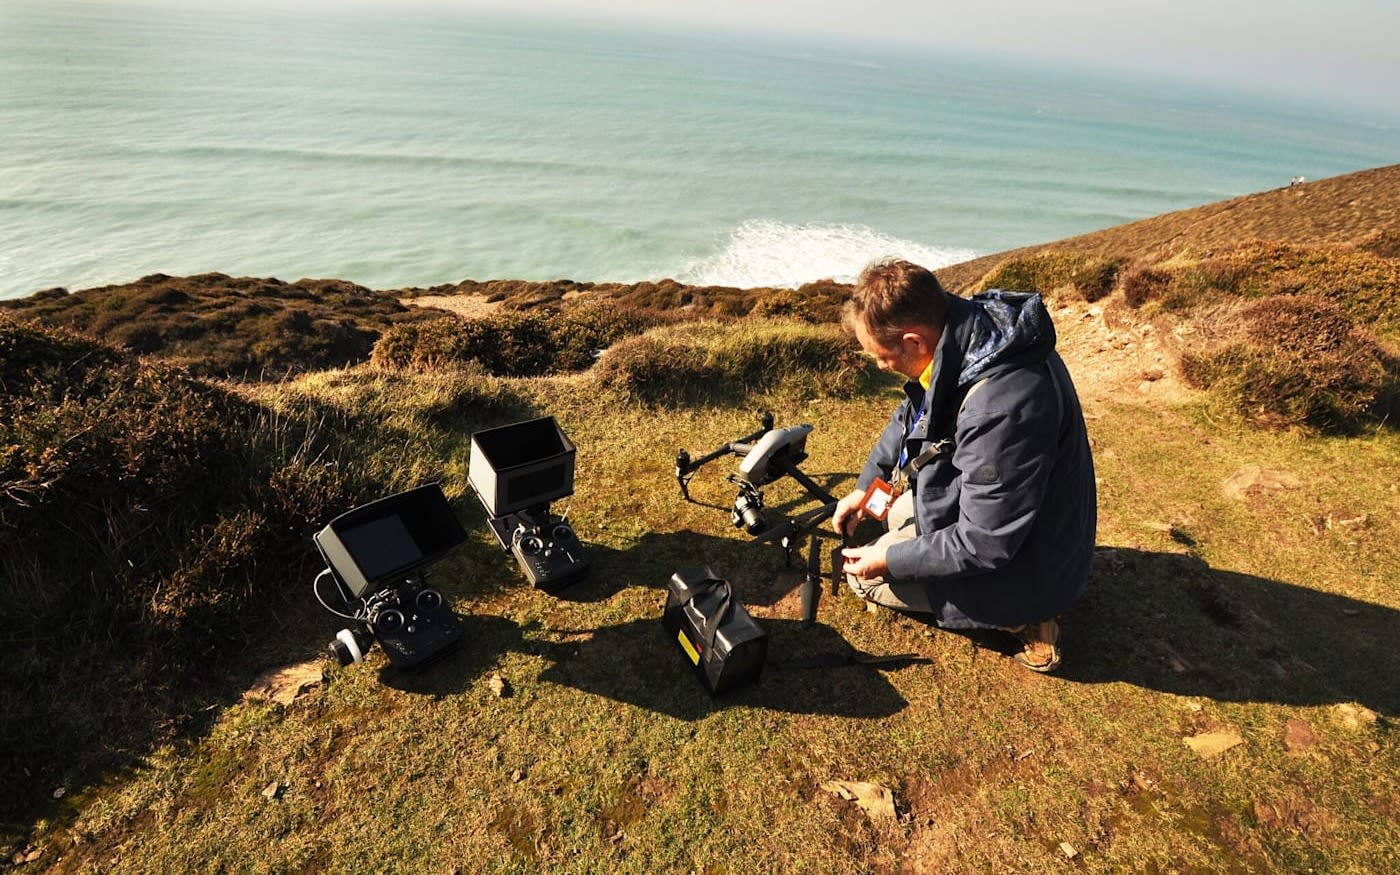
x: 878, y: 499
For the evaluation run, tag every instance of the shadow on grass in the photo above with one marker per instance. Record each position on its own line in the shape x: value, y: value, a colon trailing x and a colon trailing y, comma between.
x: 1170, y: 622
x: 759, y: 572
x: 638, y: 664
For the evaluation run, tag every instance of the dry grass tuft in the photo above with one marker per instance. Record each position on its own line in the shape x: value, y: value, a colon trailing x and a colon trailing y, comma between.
x: 698, y: 363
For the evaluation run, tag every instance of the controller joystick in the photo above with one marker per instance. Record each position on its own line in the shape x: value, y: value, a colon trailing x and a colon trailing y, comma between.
x: 549, y: 552
x: 388, y: 621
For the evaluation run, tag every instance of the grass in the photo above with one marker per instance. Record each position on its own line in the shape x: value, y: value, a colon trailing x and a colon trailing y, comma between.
x: 606, y: 755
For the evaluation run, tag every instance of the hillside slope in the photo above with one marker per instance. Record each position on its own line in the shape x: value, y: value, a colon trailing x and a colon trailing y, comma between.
x: 1359, y: 209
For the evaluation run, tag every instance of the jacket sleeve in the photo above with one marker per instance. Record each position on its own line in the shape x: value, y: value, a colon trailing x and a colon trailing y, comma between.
x: 1005, y: 451
x: 883, y: 458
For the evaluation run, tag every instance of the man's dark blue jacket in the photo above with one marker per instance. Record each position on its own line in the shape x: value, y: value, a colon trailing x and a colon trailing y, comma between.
x: 1006, y: 520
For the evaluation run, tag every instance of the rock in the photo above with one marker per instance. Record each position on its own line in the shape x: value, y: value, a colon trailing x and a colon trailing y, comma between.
x: 876, y: 801
x: 1255, y: 480
x: 1209, y: 745
x: 500, y: 686
x: 285, y: 685
x: 1355, y: 716
x: 1298, y: 737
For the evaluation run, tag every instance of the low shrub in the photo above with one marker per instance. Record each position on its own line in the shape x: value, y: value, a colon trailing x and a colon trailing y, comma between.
x: 1384, y: 244
x: 710, y: 361
x: 150, y: 523
x: 1361, y: 282
x: 816, y: 303
x: 216, y: 325
x: 1090, y: 276
x: 512, y: 343
x: 1145, y: 284
x: 1294, y: 361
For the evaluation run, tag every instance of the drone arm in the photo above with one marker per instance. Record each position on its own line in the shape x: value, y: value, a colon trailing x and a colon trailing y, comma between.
x: 686, y: 466
x: 804, y: 522
x: 788, y: 468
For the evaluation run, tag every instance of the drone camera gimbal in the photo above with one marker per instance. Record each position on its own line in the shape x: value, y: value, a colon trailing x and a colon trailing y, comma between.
x: 767, y: 455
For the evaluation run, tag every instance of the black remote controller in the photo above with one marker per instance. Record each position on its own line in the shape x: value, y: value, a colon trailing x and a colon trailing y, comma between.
x: 413, y: 625
x: 550, y: 554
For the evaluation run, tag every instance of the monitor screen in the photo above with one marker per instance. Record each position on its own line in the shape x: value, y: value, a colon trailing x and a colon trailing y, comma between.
x: 381, y: 546
x: 372, y: 544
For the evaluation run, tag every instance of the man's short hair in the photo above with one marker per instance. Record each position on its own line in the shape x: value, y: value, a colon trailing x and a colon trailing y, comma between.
x: 894, y: 295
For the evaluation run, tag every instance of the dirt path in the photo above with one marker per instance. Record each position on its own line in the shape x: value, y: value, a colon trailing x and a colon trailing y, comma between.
x: 466, y: 306
x: 1115, y: 358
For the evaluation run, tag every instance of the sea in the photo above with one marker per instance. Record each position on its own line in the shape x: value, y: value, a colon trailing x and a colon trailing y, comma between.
x: 415, y: 148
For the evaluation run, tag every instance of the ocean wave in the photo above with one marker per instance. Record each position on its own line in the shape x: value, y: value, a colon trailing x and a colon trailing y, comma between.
x: 766, y: 252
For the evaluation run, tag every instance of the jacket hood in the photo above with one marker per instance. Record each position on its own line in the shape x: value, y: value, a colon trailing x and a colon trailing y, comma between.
x: 990, y: 329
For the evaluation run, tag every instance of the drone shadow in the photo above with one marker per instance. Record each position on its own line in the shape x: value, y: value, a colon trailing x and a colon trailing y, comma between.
x: 762, y: 573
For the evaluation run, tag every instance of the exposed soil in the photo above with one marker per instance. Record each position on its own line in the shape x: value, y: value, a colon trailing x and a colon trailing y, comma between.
x: 465, y: 306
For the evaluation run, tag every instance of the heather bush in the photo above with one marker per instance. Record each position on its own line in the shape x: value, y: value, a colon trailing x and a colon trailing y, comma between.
x: 1145, y: 284
x: 149, y: 524
x: 1294, y: 361
x: 513, y: 343
x: 215, y: 325
x: 1362, y: 283
x: 1384, y: 244
x: 814, y: 302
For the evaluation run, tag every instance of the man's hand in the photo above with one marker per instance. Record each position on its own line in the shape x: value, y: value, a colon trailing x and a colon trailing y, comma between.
x: 848, y: 513
x: 866, y: 562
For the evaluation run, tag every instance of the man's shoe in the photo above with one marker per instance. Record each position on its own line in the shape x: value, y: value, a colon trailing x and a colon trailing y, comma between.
x: 1040, y: 646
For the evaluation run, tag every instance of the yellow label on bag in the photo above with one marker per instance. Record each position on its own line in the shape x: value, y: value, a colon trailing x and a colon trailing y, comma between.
x: 688, y: 647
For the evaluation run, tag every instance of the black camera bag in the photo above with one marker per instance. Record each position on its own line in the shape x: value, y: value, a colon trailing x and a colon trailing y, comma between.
x: 719, y: 638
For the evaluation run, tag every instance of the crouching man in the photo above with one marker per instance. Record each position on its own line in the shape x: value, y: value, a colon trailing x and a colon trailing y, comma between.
x: 990, y: 504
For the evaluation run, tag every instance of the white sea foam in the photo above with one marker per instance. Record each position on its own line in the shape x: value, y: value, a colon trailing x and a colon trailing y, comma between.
x: 764, y: 252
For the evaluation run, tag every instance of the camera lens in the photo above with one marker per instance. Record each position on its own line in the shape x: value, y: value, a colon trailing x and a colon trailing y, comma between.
x: 748, y: 513
x: 429, y: 599
x: 753, y: 520
x: 388, y: 621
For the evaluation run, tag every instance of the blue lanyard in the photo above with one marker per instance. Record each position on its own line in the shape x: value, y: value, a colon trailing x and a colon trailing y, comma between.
x: 904, y: 444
